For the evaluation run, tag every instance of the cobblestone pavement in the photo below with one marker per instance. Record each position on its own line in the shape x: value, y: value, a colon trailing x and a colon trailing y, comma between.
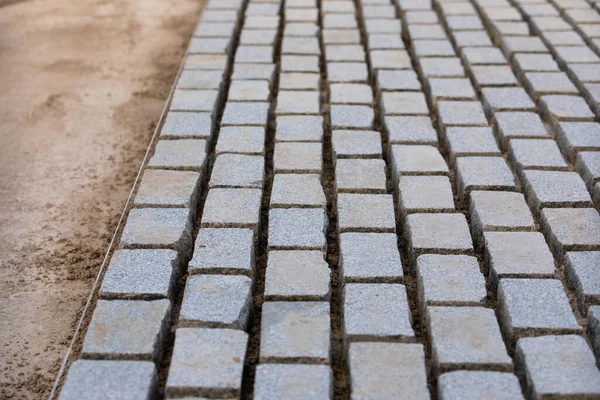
x: 368, y: 200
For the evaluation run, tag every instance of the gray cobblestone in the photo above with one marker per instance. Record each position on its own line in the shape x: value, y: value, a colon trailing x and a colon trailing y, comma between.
x: 261, y: 22
x: 417, y: 160
x: 127, y: 329
x: 482, y: 173
x: 347, y: 72
x: 297, y: 229
x: 298, y: 158
x: 344, y: 93
x: 293, y: 382
x: 437, y: 233
x: 571, y: 229
x: 450, y: 89
x: 187, y: 125
x: 249, y: 140
x: 297, y: 102
x: 297, y: 190
x: 195, y: 100
x: 387, y: 371
x: 535, y: 62
x: 140, y: 274
x: 300, y: 29
x: 466, y: 337
x: 241, y: 90
x: 253, y: 71
x: 419, y: 194
x: 164, y: 188
x: 410, y: 130
x: 208, y: 62
x: 385, y: 41
x: 460, y: 113
x: 224, y: 250
x: 555, y: 189
x: 426, y: 32
x: 499, y: 211
x: 433, y: 48
x: 493, y: 75
x: 395, y: 80
x: 258, y: 37
x: 232, y: 208
x: 216, y: 301
x: 210, y: 45
x: 96, y: 380
x: 299, y: 128
x: 540, y: 154
x: 449, y: 280
x: 376, y: 311
x: 339, y: 36
x: 294, y: 63
x: 470, y: 141
x: 207, y: 362
x: 471, y: 38
x: 237, y: 171
x: 463, y: 22
x: 558, y: 366
x: 521, y: 44
x: 295, y: 331
x: 403, y: 103
x: 158, y: 228
x: 534, y: 307
x: 578, y: 136
x: 482, y: 56
x: 389, y: 59
x: 581, y: 271
x: 345, y: 116
x: 565, y: 108
x: 360, y: 176
x: 245, y: 113
x: 441, y: 67
x: 588, y: 165
x: 296, y: 275
x: 351, y: 209
x: 370, y: 257
x: 540, y: 83
x: 517, y: 255
x: 356, y: 144
x: 475, y: 385
x: 344, y: 52
x: 510, y: 125
x: 506, y: 99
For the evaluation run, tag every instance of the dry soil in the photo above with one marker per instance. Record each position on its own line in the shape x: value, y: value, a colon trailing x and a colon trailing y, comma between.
x: 82, y: 85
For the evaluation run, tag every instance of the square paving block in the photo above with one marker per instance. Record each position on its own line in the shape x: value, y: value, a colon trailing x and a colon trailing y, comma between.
x: 555, y: 189
x: 187, y: 125
x: 525, y: 125
x: 297, y: 229
x: 482, y: 173
x: 232, y: 208
x: 127, y: 329
x: 410, y: 130
x: 370, y: 257
x: 539, y: 154
x: 356, y: 144
x: 207, y: 362
x: 420, y: 194
x: 475, y: 385
x: 238, y: 171
x: 297, y: 190
x: 534, y: 307
x: 365, y: 212
x: 223, y: 251
x: 298, y: 128
x: 297, y: 275
x: 295, y: 332
x: 288, y: 381
x: 164, y: 188
x: 352, y: 117
x: 571, y: 229
x: 298, y: 158
x: 360, y: 176
x: 249, y: 140
x: 375, y: 312
x: 582, y: 272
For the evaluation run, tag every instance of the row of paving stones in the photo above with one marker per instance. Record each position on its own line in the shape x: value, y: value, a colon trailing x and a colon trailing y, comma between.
x: 450, y: 181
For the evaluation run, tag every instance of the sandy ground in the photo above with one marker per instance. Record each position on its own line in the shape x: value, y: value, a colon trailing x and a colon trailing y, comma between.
x: 82, y: 84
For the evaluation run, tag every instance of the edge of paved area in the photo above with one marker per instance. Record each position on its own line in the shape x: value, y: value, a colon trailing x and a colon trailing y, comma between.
x: 84, y: 319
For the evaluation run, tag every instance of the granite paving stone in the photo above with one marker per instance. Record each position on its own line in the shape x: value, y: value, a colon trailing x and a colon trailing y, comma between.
x: 555, y: 189
x: 352, y: 117
x: 295, y: 332
x: 387, y: 371
x: 437, y: 233
x: 370, y: 257
x: 207, y: 362
x: 360, y: 176
x: 185, y: 154
x: 510, y: 125
x: 470, y: 141
x: 296, y: 275
x: 365, y: 212
x: 375, y: 312
x: 298, y: 158
x: 577, y: 136
x: 441, y: 67
x: 297, y: 190
x: 127, y: 330
x: 166, y: 188
x: 356, y: 144
x: 195, y: 100
x: 540, y: 154
x: 588, y: 165
x: 223, y: 251
x: 297, y: 229
x: 397, y: 80
x: 534, y: 307
x: 565, y: 108
x: 417, y: 160
x: 245, y: 113
x: 249, y: 140
x: 420, y: 194
x: 110, y: 379
x: 461, y: 113
x: 298, y: 128
x: 506, y: 99
x: 237, y: 171
x: 581, y: 271
x: 410, y: 130
x: 558, y: 366
x: 475, y: 385
x: 293, y: 382
x: 482, y: 173
x: 140, y: 274
x: 449, y: 280
x: 466, y: 337
x: 232, y: 208
x: 187, y: 125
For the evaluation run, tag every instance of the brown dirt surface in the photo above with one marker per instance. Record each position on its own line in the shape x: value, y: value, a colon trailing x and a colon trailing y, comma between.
x: 82, y: 85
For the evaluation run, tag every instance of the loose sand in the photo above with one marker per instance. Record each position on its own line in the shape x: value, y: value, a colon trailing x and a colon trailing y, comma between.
x: 82, y: 84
